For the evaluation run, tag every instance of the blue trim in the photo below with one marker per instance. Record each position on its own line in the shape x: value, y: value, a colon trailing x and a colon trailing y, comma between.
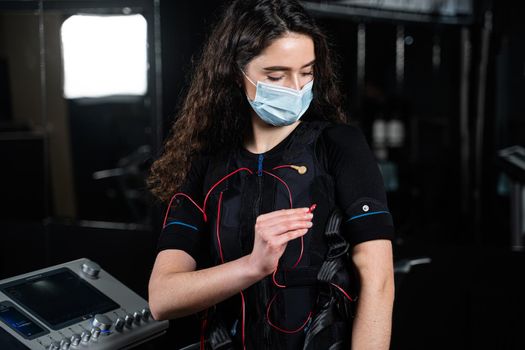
x: 372, y: 213
x: 182, y: 224
x: 260, y: 168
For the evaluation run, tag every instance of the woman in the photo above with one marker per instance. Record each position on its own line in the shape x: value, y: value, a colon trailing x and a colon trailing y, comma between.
x: 260, y: 142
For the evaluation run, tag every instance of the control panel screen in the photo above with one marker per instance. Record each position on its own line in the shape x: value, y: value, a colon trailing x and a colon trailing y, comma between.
x: 19, y: 322
x: 59, y: 298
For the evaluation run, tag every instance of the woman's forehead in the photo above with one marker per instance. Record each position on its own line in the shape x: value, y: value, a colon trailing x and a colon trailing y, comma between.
x: 292, y: 51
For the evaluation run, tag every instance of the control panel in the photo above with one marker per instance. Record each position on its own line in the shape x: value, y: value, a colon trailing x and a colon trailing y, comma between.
x: 76, y: 305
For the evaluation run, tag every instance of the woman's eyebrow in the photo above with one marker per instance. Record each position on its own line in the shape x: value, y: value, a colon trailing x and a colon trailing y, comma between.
x: 281, y: 68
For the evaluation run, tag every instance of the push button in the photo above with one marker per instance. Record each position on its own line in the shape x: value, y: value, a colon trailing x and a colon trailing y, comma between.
x: 137, y: 316
x: 75, y: 339
x: 145, y: 314
x: 129, y: 320
x: 95, y: 332
x: 64, y: 344
x: 86, y: 336
x: 119, y: 324
x: 54, y: 346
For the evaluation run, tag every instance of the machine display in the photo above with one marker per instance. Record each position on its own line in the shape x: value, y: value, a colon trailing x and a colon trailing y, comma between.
x: 76, y: 305
x: 20, y: 322
x: 69, y: 299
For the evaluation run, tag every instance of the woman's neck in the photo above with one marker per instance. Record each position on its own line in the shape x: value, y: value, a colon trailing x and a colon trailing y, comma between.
x: 263, y: 137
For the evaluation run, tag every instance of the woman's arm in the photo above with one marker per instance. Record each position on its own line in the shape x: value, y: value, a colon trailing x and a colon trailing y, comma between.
x: 373, y: 322
x: 176, y: 289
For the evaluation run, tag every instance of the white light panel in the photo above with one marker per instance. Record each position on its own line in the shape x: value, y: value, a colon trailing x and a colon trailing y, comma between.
x: 104, y: 55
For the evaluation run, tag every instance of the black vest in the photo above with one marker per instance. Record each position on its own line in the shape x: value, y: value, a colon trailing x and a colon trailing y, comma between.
x: 312, y: 312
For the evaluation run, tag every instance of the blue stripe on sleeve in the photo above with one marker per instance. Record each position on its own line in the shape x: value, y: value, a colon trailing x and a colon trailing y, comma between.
x: 367, y: 214
x: 182, y: 224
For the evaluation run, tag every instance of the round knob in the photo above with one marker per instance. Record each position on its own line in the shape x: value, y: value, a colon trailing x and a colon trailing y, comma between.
x: 146, y: 314
x: 95, y: 332
x: 91, y: 269
x: 102, y: 321
x: 75, y: 339
x: 129, y: 320
x: 54, y: 346
x: 119, y: 324
x: 137, y: 316
x: 86, y: 336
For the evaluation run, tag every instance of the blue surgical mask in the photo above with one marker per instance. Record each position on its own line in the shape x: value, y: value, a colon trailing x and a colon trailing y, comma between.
x: 279, y: 105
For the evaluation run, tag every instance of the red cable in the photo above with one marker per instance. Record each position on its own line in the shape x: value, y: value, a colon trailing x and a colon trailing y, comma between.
x: 222, y: 257
x: 203, y: 329
x: 288, y: 188
x: 218, y: 226
x: 222, y: 260
x: 282, y: 329
x: 221, y: 180
x: 185, y: 195
x: 300, y: 255
x: 342, y: 290
x: 202, y: 334
x: 203, y: 209
x: 282, y: 166
x: 275, y: 281
x: 291, y: 206
x: 243, y: 320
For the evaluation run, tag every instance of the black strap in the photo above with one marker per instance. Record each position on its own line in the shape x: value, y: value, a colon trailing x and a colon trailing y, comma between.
x: 218, y: 337
x: 337, y: 245
x: 326, y: 329
x: 329, y: 324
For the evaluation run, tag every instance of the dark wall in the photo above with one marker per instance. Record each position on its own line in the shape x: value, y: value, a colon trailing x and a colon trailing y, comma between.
x: 103, y: 136
x: 185, y: 26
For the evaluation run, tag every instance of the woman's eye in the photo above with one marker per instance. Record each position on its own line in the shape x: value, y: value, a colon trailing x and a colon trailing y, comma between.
x: 307, y: 73
x: 274, y: 78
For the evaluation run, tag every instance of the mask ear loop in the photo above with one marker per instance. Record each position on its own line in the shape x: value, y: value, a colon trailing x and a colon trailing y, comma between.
x: 251, y: 81
x: 247, y: 77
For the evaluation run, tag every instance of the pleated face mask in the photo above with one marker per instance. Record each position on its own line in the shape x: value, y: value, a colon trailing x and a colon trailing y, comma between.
x: 279, y: 105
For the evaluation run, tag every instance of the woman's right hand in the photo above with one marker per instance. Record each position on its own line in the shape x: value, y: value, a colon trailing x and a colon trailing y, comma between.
x: 273, y: 231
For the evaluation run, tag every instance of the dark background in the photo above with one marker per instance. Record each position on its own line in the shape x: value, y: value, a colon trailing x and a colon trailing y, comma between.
x: 450, y: 206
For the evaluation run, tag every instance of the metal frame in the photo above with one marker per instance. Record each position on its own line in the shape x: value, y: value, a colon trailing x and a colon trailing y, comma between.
x: 345, y: 10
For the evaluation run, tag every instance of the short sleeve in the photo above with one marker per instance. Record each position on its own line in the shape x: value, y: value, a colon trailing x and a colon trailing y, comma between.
x: 359, y: 187
x: 184, y: 227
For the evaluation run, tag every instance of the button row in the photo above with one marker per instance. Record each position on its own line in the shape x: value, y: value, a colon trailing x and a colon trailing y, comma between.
x: 102, y: 324
x: 64, y: 344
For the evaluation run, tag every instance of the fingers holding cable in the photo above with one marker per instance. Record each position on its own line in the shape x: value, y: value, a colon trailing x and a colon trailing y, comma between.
x: 283, y: 214
x: 294, y: 230
x: 279, y: 229
x: 273, y: 231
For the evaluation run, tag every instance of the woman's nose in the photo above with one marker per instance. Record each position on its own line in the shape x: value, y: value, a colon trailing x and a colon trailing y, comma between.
x: 294, y: 82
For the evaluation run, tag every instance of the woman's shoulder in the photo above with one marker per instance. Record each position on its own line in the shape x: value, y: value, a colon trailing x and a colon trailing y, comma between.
x: 343, y: 136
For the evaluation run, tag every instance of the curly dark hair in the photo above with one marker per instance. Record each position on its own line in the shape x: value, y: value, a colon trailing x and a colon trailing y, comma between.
x: 215, y: 114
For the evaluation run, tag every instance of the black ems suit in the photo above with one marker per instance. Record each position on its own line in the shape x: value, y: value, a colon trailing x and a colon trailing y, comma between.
x: 306, y: 304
